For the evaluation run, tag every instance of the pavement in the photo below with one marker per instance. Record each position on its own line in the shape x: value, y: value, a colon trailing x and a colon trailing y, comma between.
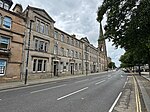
x: 144, y: 85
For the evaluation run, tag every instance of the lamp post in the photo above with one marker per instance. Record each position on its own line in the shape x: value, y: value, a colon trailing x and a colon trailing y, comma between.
x: 27, y: 58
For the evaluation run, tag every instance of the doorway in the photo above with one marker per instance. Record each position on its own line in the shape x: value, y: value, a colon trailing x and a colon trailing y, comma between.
x: 55, y: 68
x: 72, y: 68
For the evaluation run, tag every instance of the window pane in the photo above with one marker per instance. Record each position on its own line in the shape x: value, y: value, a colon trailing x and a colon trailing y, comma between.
x: 42, y: 28
x: 46, y: 29
x: 1, y: 4
x: 4, y: 42
x: 62, y: 38
x: 45, y: 48
x: 7, y: 22
x: 44, y: 67
x: 34, y: 64
x: 37, y: 26
x: 40, y: 65
x: 2, y: 67
x: 41, y: 46
x: 0, y: 19
x: 36, y: 44
x: 55, y: 35
x: 68, y: 40
x: 6, y: 6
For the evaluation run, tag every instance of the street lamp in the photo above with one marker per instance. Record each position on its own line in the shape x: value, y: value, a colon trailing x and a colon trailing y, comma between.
x: 27, y: 60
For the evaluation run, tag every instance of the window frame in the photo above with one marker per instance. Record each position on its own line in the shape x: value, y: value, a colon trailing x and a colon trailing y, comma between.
x: 6, y: 22
x: 4, y: 43
x: 4, y: 69
x: 6, y: 6
x: 1, y: 4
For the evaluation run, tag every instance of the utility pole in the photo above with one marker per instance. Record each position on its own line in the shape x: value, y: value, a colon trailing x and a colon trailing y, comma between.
x: 27, y: 58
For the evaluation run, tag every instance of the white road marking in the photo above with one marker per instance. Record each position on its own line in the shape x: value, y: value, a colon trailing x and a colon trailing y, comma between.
x: 100, y: 82
x: 0, y: 99
x: 125, y: 85
x: 112, y: 107
x: 26, y: 87
x: 47, y: 89
x: 127, y: 78
x: 82, y: 81
x: 82, y: 98
x: 72, y: 93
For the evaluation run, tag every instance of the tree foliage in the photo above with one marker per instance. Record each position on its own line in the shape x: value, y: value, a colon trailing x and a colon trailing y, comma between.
x: 128, y: 24
x: 111, y: 65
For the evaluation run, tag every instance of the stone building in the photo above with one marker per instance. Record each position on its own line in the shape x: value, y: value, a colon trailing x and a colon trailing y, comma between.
x: 54, y: 52
x: 39, y: 39
x: 12, y: 27
x: 31, y: 46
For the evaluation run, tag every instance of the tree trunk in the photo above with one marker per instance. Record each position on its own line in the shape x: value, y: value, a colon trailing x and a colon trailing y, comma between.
x: 139, y: 70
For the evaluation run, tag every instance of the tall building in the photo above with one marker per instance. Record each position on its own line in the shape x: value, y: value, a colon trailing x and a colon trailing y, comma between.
x: 12, y: 27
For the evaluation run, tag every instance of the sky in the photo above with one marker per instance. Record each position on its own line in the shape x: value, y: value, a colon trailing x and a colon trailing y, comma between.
x: 76, y: 17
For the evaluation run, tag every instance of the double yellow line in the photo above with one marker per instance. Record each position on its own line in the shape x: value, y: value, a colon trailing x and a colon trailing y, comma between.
x: 137, y: 96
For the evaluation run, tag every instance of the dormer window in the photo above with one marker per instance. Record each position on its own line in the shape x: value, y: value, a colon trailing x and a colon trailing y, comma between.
x: 1, y: 4
x: 7, y: 22
x: 6, y: 6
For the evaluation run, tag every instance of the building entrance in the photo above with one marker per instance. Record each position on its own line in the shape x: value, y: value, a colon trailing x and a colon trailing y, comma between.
x: 55, y: 68
x: 72, y: 68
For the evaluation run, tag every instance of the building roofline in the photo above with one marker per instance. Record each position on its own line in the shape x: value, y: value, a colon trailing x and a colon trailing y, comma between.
x: 35, y: 8
x: 13, y: 13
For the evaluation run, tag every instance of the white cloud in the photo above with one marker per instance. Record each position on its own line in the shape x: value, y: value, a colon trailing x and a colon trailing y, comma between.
x: 75, y: 17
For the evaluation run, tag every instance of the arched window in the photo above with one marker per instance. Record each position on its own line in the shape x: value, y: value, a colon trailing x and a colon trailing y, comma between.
x: 7, y: 22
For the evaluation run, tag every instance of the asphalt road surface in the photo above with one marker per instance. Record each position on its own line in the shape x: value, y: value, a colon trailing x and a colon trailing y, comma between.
x: 94, y: 93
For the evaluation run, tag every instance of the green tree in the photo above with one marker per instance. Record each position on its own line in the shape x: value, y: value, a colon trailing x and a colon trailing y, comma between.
x: 127, y: 25
x: 112, y: 65
x: 131, y: 59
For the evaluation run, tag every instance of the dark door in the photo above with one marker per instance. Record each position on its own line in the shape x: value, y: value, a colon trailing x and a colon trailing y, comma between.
x: 72, y: 69
x: 55, y: 69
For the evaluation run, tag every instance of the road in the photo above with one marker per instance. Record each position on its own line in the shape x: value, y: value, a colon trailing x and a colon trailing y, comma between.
x: 94, y: 93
